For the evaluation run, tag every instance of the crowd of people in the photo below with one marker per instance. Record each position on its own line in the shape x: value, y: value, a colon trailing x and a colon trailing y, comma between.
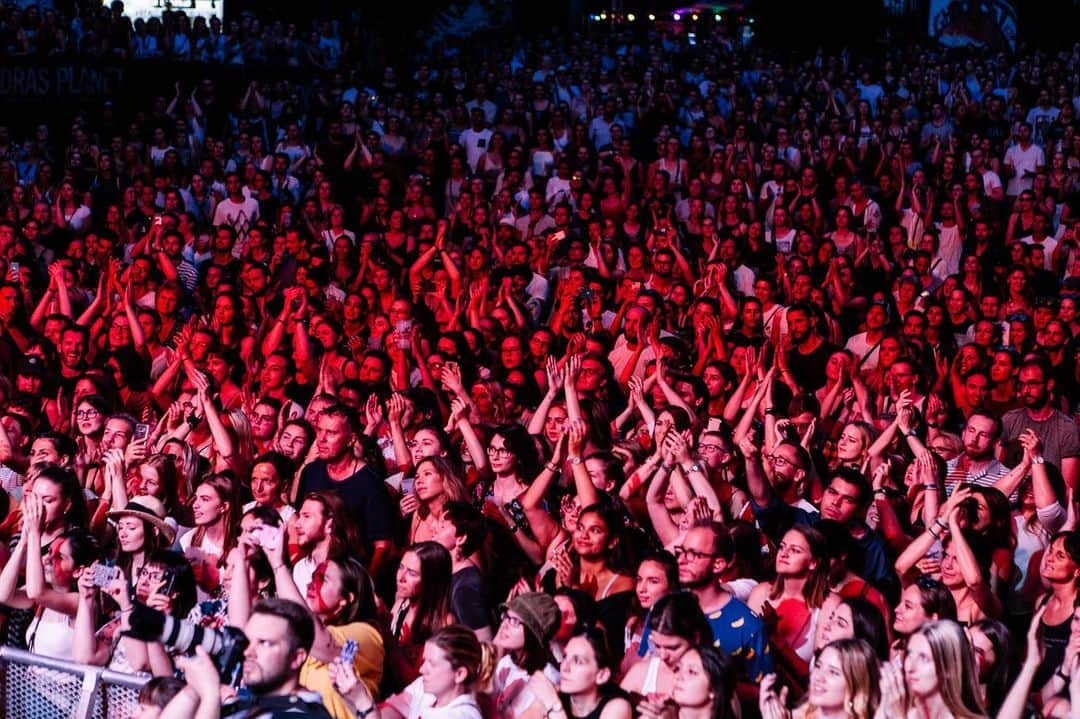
x: 580, y: 376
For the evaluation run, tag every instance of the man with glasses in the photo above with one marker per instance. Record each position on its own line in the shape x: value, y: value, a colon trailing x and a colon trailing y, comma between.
x: 1058, y: 431
x: 704, y: 555
x: 846, y: 498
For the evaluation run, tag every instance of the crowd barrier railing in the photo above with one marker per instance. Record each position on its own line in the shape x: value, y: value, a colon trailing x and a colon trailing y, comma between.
x: 38, y: 687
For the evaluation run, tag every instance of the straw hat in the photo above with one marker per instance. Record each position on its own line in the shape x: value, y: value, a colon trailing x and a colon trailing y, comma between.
x: 150, y: 510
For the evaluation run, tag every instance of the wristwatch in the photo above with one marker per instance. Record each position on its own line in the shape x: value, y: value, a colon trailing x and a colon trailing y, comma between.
x: 576, y: 460
x: 1038, y: 459
x: 695, y: 467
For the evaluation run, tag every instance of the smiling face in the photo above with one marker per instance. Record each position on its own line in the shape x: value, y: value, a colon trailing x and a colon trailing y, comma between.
x: 592, y: 538
x: 828, y: 687
x: 651, y: 583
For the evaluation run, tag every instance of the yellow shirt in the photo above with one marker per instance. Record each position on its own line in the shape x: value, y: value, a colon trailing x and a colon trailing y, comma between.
x: 368, y: 664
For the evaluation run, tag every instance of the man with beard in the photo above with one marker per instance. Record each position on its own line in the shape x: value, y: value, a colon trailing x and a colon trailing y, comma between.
x: 846, y: 498
x: 706, y: 552
x: 976, y: 465
x: 280, y: 634
x: 804, y: 369
x: 1058, y: 432
x: 631, y: 348
x: 74, y: 341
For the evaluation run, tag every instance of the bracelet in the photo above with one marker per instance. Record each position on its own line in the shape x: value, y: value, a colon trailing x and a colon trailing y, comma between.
x: 941, y: 524
x: 361, y: 713
x: 551, y: 468
x: 666, y: 467
x: 929, y: 486
x: 933, y: 534
x: 771, y: 410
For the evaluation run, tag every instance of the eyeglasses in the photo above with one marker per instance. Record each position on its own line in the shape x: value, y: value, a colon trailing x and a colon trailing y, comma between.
x: 691, y: 555
x: 511, y: 621
x: 86, y: 413
x: 780, y: 461
x: 499, y: 451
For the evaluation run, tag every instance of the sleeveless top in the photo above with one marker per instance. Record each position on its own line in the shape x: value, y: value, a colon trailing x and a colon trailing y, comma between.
x: 607, y: 694
x: 51, y: 634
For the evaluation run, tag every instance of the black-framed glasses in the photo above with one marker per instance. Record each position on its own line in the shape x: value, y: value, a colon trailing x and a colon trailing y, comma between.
x: 691, y: 555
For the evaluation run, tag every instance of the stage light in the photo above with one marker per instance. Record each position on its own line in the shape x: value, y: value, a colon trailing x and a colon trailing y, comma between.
x: 694, y: 17
x: 631, y: 17
x: 676, y: 17
x: 652, y: 18
x: 718, y: 17
x: 603, y: 16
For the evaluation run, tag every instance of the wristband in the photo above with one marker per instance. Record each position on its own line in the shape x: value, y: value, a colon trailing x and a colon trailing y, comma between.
x: 666, y: 467
x: 929, y: 486
x: 771, y: 410
x: 551, y: 468
x: 941, y: 524
x: 933, y: 534
x: 361, y: 713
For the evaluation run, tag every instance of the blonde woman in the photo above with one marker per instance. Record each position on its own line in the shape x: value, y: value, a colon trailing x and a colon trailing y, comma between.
x: 843, y: 683
x: 939, y: 679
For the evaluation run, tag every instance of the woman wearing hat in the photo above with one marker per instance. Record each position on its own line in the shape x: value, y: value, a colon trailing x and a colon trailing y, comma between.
x: 529, y: 622
x: 140, y: 530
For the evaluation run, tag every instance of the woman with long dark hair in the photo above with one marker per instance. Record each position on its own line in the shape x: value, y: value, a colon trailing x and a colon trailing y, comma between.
x: 422, y: 601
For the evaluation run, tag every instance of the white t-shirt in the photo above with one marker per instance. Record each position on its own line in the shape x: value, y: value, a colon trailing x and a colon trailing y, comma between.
x: 991, y: 181
x: 1048, y: 244
x: 859, y: 346
x: 414, y: 702
x: 950, y: 248
x: 620, y: 356
x: 1023, y: 161
x: 475, y: 144
x: 238, y: 215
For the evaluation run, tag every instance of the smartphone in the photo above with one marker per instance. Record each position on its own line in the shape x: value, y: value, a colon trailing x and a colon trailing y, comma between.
x: 403, y: 328
x: 408, y: 485
x: 104, y: 574
x: 169, y: 578
x: 348, y: 652
x: 142, y: 431
x: 14, y: 268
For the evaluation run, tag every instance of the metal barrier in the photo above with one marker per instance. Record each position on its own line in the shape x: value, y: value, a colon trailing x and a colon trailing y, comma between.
x: 37, y: 687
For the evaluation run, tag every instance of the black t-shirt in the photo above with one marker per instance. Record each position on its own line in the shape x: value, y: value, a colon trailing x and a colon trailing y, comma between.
x: 809, y: 369
x: 469, y: 598
x: 365, y: 495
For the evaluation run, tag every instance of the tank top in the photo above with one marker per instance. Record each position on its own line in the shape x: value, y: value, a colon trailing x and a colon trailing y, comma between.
x: 51, y: 634
x: 607, y: 694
